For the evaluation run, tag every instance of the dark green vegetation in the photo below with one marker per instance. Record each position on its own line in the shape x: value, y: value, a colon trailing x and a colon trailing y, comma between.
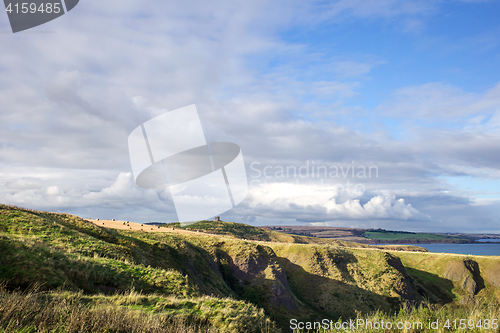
x: 229, y: 228
x: 244, y: 279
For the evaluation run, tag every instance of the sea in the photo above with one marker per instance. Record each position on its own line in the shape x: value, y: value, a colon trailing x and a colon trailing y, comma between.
x: 486, y: 249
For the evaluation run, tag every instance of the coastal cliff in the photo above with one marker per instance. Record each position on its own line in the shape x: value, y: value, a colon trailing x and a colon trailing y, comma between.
x: 236, y: 278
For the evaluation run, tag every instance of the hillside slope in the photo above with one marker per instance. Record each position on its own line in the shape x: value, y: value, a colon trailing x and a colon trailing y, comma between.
x: 223, y: 282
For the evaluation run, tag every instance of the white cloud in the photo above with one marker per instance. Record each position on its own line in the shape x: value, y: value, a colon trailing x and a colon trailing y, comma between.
x: 433, y: 100
x: 22, y: 184
x: 53, y: 191
x: 121, y: 198
x: 68, y: 101
x: 123, y: 193
x: 445, y: 102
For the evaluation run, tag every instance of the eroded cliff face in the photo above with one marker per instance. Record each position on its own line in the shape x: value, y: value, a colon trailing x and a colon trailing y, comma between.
x: 314, y: 280
x: 403, y: 285
x: 318, y: 281
x: 254, y: 273
x: 261, y: 267
x: 466, y: 275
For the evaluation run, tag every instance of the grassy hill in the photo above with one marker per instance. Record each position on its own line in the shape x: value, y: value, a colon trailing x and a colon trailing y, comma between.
x: 388, y: 236
x: 248, y: 232
x: 60, y: 273
x: 377, y: 236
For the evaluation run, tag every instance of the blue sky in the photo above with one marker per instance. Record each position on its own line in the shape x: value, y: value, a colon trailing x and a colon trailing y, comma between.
x: 456, y: 43
x: 411, y: 87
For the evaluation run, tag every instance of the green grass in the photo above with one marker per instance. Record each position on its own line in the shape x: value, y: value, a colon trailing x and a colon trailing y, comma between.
x: 59, y: 249
x: 64, y: 252
x: 412, y: 237
x: 62, y: 311
x: 229, y: 228
x: 403, y: 236
x: 425, y: 318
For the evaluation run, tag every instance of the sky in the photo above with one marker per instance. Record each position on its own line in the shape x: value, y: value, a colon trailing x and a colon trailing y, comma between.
x: 372, y: 114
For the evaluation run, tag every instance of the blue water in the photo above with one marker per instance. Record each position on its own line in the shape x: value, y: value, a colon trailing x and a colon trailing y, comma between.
x: 474, y: 249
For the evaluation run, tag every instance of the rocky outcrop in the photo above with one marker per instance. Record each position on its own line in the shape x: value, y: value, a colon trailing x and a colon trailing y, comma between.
x: 405, y: 286
x: 465, y: 274
x: 261, y: 268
